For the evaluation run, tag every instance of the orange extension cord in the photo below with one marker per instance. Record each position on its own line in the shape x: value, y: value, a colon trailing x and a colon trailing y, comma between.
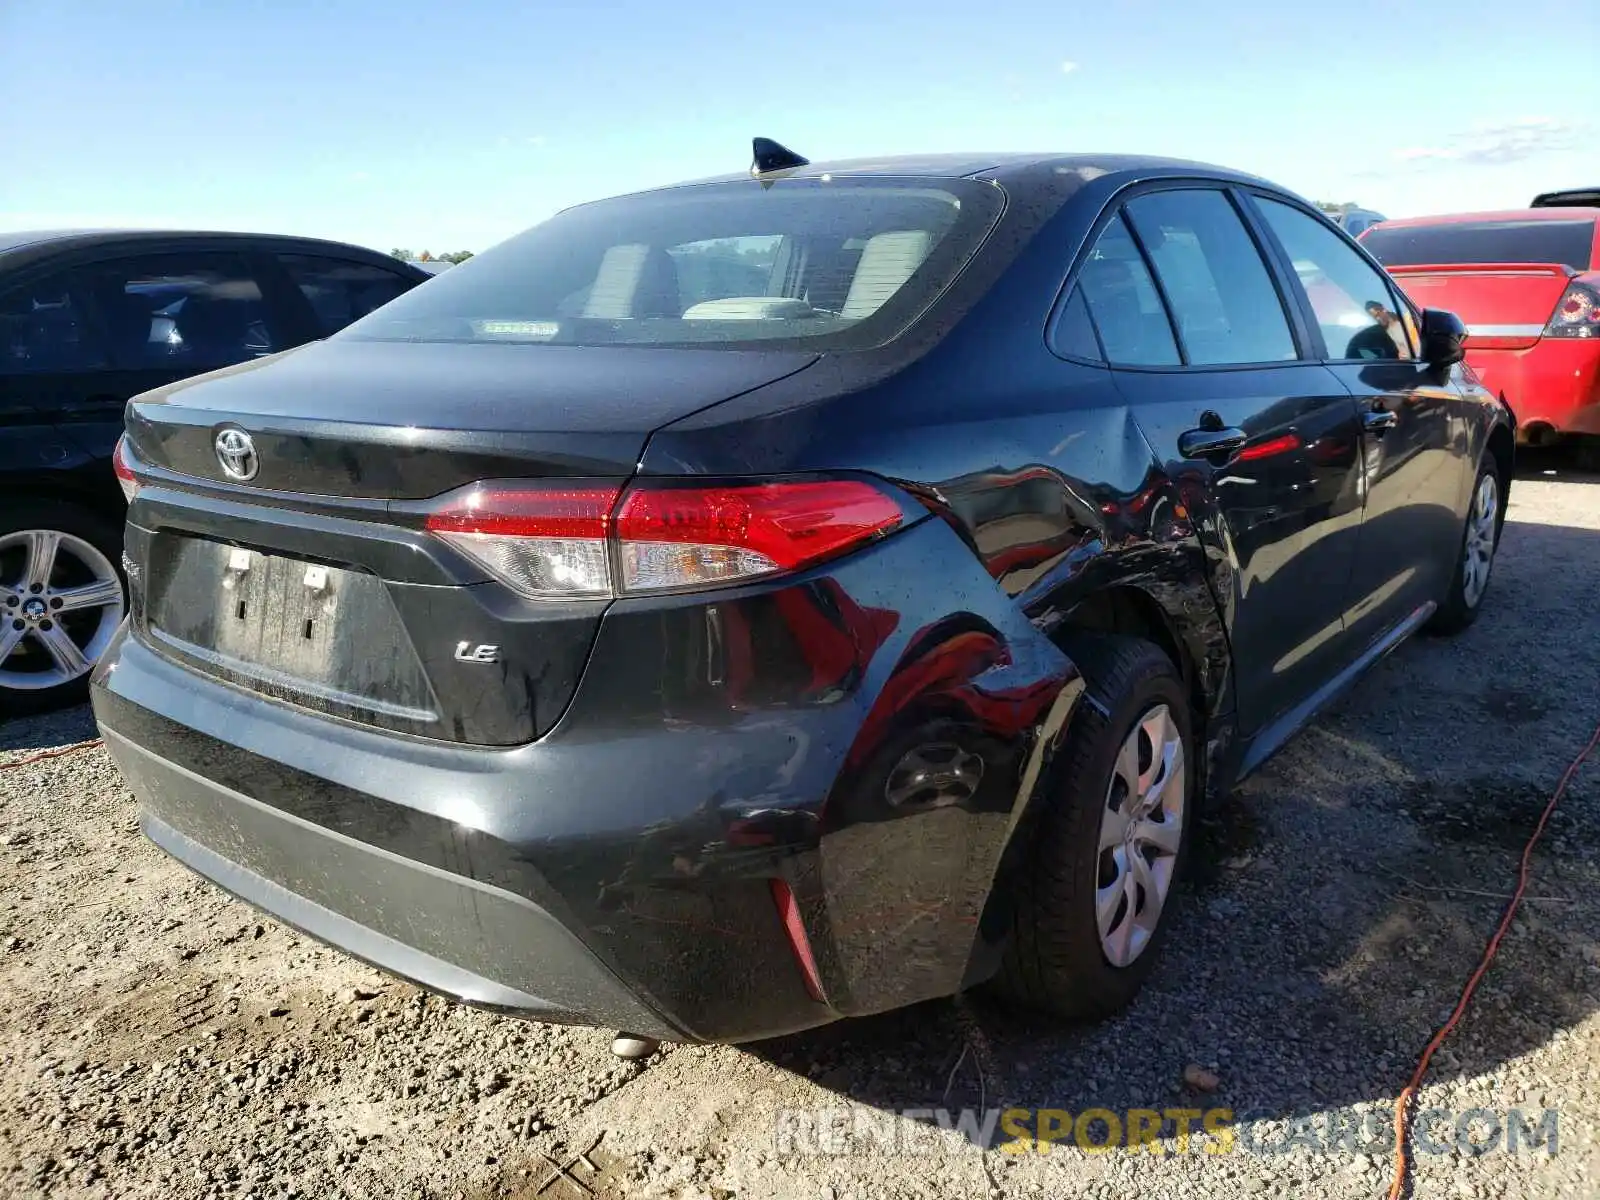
x: 44, y: 754
x: 1408, y: 1097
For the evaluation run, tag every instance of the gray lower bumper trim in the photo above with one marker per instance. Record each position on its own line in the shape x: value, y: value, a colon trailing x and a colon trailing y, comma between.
x: 328, y: 926
x: 404, y: 917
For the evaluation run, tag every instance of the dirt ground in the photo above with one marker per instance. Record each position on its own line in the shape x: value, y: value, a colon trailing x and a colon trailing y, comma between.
x: 158, y: 1039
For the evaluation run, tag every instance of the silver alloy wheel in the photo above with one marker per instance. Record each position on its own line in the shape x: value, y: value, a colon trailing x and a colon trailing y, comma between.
x: 59, y: 614
x: 1481, y: 529
x: 1140, y: 832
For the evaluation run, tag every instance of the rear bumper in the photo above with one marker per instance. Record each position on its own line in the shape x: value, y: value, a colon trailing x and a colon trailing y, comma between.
x: 619, y: 871
x: 1556, y: 382
x: 446, y: 866
x: 462, y: 939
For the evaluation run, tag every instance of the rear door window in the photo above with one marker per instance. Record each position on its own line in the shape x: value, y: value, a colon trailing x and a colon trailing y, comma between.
x: 42, y: 329
x: 340, y: 291
x: 184, y: 311
x: 1570, y: 243
x: 1124, y: 303
x: 1223, y: 300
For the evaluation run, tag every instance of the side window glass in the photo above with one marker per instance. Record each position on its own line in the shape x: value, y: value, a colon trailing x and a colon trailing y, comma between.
x: 338, y: 291
x: 1074, y: 332
x: 1124, y: 302
x: 188, y: 312
x: 1223, y: 299
x: 1354, y: 305
x: 42, y: 329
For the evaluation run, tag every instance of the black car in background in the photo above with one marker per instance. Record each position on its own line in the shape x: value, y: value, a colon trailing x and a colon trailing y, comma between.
x: 728, y: 608
x: 89, y: 319
x: 1584, y: 197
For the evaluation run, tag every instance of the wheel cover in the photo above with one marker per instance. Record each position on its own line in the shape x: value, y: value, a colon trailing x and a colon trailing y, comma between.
x: 1482, y: 522
x: 1141, y: 830
x: 60, y: 605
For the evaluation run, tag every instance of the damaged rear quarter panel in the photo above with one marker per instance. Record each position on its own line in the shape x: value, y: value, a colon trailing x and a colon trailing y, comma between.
x: 1045, y: 485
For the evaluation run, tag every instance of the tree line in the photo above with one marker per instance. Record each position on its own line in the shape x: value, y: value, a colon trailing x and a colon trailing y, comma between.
x: 426, y: 256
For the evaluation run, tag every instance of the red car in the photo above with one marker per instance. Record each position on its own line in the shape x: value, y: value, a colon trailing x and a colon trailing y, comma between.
x: 1527, y: 284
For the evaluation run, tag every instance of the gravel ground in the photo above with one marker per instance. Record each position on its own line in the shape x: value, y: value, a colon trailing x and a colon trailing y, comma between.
x: 160, y: 1039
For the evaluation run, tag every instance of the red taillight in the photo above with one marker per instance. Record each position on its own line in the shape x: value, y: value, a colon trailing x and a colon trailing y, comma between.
x: 1577, y: 315
x: 677, y: 537
x: 125, y: 476
x: 546, y: 542
x: 554, y: 512
x: 556, y: 541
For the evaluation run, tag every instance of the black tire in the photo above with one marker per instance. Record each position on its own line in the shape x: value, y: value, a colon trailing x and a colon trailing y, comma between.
x: 102, y: 532
x: 1586, y: 452
x: 1460, y: 607
x: 1055, y: 962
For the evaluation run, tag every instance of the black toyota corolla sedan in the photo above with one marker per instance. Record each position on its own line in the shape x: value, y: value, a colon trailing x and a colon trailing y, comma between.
x: 728, y: 608
x: 89, y: 318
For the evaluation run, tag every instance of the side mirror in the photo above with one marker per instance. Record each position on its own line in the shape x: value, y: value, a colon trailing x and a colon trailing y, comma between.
x: 1443, y: 337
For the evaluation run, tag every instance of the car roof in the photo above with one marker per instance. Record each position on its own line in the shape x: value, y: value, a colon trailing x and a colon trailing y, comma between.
x: 23, y: 247
x: 1011, y: 168
x: 1507, y: 214
x: 1582, y: 197
x: 16, y: 239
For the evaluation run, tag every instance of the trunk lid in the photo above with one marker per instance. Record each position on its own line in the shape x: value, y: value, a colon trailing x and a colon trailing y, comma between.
x: 1504, y: 305
x: 313, y: 582
x: 404, y: 421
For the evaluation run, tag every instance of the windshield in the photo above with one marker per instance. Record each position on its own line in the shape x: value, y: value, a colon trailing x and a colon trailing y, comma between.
x: 811, y: 263
x: 1510, y: 241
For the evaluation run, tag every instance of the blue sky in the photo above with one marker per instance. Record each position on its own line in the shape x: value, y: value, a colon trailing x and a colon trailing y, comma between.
x: 452, y: 125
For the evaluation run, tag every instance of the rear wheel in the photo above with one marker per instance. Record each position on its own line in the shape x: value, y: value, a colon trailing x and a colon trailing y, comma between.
x: 1480, y: 538
x: 61, y: 600
x: 1094, y: 897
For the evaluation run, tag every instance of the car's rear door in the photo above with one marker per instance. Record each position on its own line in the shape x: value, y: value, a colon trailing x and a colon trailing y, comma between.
x: 52, y: 362
x: 1261, y: 439
x: 339, y: 290
x: 1413, y: 419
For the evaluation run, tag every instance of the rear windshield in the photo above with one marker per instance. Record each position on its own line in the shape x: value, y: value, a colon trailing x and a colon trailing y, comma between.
x: 1513, y: 241
x: 815, y: 263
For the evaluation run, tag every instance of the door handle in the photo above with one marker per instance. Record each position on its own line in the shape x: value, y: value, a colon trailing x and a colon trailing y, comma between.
x: 1379, y: 420
x: 1208, y: 443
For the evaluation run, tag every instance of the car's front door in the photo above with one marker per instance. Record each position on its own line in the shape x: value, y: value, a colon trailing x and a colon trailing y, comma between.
x: 1261, y: 441
x: 1413, y: 419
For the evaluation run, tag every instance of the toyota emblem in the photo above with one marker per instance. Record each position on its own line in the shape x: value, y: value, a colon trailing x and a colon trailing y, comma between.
x: 237, y: 454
